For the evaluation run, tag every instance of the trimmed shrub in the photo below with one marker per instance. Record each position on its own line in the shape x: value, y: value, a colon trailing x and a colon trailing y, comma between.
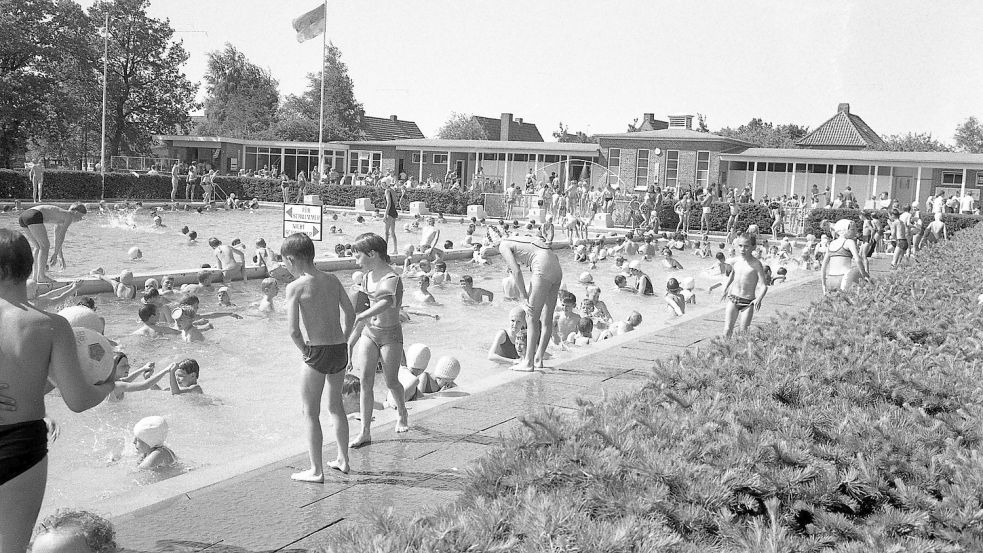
x: 87, y: 186
x: 853, y: 426
x: 747, y: 214
x: 953, y: 222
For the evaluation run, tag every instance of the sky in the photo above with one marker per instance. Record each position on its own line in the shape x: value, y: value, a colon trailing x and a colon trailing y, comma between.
x: 596, y: 66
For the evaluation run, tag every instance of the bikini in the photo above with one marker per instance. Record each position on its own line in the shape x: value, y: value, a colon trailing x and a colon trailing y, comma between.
x: 384, y: 336
x: 30, y: 217
x: 22, y: 445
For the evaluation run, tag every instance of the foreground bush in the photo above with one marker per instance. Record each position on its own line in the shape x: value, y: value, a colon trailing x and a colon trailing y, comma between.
x: 853, y: 426
x: 87, y: 186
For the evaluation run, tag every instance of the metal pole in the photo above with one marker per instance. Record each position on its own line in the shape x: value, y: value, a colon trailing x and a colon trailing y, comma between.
x: 105, y: 73
x: 320, y: 126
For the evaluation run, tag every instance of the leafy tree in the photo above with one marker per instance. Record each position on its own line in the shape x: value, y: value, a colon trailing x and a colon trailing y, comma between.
x: 969, y: 136
x: 148, y: 93
x: 701, y: 123
x: 298, y: 116
x: 913, y: 142
x: 563, y: 134
x: 767, y: 134
x: 462, y: 126
x: 243, y: 98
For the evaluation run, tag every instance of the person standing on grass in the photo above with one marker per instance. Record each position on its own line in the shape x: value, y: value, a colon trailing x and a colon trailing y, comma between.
x: 36, y: 349
x: 750, y: 284
x: 175, y: 176
x: 36, y: 174
x: 901, y: 237
x: 321, y: 318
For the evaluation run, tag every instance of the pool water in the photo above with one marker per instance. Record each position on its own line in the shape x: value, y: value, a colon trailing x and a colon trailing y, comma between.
x: 251, y: 405
x: 103, y: 239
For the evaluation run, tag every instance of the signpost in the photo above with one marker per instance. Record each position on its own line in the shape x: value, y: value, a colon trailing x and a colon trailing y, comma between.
x: 307, y: 219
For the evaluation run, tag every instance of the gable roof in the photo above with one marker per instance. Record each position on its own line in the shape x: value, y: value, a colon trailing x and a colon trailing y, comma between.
x: 842, y: 130
x: 518, y: 132
x: 389, y: 128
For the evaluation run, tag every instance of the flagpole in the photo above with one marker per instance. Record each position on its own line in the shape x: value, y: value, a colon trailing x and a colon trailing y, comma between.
x: 105, y: 72
x: 320, y: 126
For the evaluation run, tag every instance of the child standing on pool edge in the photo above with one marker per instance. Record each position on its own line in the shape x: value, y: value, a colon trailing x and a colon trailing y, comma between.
x: 315, y: 304
x: 382, y: 336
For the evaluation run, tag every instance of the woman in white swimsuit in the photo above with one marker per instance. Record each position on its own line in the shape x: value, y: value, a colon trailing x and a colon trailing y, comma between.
x: 843, y: 265
x: 382, y: 335
x: 540, y: 297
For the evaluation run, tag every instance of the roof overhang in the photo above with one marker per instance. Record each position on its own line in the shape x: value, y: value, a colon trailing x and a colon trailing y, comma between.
x: 934, y: 160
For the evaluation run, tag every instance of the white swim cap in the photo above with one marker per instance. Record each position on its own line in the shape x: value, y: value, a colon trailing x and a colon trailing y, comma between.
x: 586, y: 278
x: 151, y: 282
x: 446, y: 367
x: 357, y: 277
x: 151, y: 431
x: 135, y: 253
x: 689, y: 283
x: 842, y: 226
x: 417, y: 356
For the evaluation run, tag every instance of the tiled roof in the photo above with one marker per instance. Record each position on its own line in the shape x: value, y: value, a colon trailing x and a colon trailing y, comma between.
x: 676, y: 133
x: 842, y: 130
x: 388, y: 128
x: 518, y: 132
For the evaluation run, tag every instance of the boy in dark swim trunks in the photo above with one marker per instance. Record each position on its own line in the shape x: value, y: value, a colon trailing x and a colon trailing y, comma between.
x: 750, y: 284
x: 315, y: 304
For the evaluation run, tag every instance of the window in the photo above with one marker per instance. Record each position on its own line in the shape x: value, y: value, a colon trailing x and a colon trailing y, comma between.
x: 800, y: 167
x: 440, y: 158
x: 417, y: 156
x: 702, y: 169
x: 642, y: 169
x: 952, y: 177
x: 614, y: 158
x: 859, y: 169
x: 520, y: 157
x: 738, y: 166
x: 672, y: 169
x: 820, y: 168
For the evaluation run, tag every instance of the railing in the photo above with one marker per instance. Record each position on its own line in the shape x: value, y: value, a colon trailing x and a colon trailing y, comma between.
x: 141, y: 163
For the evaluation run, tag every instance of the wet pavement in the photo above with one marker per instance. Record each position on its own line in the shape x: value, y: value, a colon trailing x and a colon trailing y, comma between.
x: 264, y: 510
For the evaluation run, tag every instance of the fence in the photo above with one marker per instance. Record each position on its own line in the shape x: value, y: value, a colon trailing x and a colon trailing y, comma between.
x: 141, y: 163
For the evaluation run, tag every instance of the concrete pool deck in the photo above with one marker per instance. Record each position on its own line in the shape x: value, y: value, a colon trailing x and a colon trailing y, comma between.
x: 264, y: 511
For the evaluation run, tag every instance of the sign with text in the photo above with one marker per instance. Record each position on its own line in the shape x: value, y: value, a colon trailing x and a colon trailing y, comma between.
x: 307, y: 219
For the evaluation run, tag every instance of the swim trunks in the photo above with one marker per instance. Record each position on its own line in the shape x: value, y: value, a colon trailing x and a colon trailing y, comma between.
x: 327, y: 359
x: 31, y: 217
x: 22, y: 445
x: 903, y: 244
x: 390, y: 336
x: 741, y: 303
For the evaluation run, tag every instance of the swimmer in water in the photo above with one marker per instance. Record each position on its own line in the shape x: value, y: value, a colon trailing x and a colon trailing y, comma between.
x: 540, y: 297
x: 270, y: 288
x: 471, y: 294
x: 122, y: 285
x: 149, y: 323
x: 423, y: 295
x: 503, y: 347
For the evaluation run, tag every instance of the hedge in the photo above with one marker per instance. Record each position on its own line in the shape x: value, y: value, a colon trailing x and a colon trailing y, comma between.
x: 854, y: 426
x: 87, y: 186
x: 953, y: 222
x: 719, y: 214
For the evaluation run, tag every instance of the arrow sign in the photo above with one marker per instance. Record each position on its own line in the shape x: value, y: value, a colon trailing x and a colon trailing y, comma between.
x: 306, y: 219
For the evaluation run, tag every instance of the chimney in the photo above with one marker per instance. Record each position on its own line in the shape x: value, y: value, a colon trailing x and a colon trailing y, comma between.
x: 843, y: 108
x: 392, y: 118
x: 683, y: 121
x: 506, y: 126
x: 518, y: 120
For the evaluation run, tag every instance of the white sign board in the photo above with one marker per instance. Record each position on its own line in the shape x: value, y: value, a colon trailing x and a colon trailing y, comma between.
x: 307, y: 219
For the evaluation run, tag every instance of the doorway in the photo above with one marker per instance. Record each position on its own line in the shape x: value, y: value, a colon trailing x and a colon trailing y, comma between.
x: 459, y: 168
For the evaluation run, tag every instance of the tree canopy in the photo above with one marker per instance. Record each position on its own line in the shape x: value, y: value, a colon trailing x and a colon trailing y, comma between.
x: 243, y: 98
x: 462, y: 126
x: 767, y: 134
x: 969, y: 136
x: 563, y: 134
x: 913, y: 142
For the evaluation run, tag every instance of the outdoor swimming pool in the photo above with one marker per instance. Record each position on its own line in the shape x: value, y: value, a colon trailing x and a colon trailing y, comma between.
x: 251, y: 407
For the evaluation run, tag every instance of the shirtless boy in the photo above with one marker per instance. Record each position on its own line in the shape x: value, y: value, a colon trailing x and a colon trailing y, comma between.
x: 429, y: 239
x: 36, y: 346
x: 750, y: 284
x: 149, y: 318
x: 472, y: 294
x: 230, y: 260
x: 566, y: 322
x: 316, y: 302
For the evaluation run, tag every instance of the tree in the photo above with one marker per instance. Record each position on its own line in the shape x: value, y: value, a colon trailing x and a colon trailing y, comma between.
x: 766, y: 134
x: 298, y: 116
x: 148, y: 93
x: 913, y: 142
x: 969, y: 136
x: 462, y: 126
x: 701, y: 123
x: 243, y: 98
x: 563, y: 134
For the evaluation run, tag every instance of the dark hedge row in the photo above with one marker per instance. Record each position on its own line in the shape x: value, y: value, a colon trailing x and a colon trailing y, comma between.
x: 854, y: 426
x: 87, y: 186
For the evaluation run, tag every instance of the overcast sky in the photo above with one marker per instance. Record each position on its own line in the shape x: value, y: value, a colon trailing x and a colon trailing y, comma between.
x: 595, y: 65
